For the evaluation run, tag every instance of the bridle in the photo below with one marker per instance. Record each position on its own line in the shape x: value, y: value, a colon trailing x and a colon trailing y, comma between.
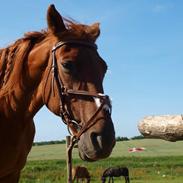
x: 74, y: 128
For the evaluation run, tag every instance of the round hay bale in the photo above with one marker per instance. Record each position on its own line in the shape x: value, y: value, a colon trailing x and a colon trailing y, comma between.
x: 167, y: 127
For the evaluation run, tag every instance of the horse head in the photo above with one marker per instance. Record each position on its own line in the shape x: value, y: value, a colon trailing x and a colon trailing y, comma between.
x: 72, y: 83
x: 103, y: 179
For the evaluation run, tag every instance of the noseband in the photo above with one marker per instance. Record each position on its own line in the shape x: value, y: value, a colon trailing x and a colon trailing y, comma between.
x: 74, y: 128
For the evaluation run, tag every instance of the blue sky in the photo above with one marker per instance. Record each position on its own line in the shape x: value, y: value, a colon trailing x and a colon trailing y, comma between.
x: 141, y: 41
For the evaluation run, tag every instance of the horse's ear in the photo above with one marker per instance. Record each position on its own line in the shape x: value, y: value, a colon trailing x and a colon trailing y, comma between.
x: 54, y: 20
x: 94, y: 30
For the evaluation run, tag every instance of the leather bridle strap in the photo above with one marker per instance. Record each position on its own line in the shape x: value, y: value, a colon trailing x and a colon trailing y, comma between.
x: 77, y: 42
x: 105, y: 101
x: 63, y: 92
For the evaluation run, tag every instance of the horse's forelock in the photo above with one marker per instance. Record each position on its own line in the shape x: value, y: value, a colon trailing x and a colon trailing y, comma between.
x: 82, y: 31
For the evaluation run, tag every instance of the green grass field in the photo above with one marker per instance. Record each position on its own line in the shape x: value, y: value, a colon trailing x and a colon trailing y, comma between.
x: 161, y: 162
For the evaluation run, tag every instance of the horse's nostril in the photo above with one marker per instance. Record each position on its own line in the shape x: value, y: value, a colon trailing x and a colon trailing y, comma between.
x: 93, y: 137
x: 96, y: 140
x: 99, y: 140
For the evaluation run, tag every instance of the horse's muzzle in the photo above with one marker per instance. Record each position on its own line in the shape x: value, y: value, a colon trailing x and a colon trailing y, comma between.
x: 97, y: 144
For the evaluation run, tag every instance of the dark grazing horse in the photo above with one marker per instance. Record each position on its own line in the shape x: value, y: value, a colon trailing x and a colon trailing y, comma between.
x: 60, y: 68
x: 115, y: 172
x: 80, y: 173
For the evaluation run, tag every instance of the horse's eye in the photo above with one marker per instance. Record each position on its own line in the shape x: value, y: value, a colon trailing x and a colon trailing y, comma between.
x: 69, y: 66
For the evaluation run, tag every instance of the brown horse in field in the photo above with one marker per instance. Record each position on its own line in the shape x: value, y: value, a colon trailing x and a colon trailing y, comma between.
x: 80, y: 173
x: 60, y: 68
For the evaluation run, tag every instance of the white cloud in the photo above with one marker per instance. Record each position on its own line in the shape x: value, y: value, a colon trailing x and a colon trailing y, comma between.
x: 158, y: 8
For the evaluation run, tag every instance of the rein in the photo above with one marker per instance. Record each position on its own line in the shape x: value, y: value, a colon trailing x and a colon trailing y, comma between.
x: 74, y: 128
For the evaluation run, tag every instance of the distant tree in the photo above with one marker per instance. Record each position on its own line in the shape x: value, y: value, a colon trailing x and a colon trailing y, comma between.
x: 137, y: 137
x: 49, y: 142
x: 121, y: 138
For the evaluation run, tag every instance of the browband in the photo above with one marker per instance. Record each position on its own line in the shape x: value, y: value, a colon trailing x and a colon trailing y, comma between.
x: 79, y: 42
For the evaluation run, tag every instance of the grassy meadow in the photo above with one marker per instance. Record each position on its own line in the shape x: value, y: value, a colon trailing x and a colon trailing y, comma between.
x: 160, y: 162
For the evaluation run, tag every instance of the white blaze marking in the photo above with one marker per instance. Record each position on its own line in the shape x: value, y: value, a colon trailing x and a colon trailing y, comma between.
x: 106, y: 107
x: 97, y: 101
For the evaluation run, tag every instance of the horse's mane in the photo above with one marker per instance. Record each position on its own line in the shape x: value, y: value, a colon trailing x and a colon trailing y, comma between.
x: 20, y: 49
x: 17, y: 51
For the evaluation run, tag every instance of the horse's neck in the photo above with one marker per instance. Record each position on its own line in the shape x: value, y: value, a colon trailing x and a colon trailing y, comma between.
x: 16, y: 101
x: 21, y: 91
x: 36, y: 102
x: 23, y: 104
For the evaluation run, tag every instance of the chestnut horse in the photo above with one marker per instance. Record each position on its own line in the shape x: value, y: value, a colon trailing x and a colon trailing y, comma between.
x: 60, y: 68
x: 80, y: 173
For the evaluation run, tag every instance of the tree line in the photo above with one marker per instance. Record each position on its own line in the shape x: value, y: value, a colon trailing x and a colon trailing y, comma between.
x: 64, y: 141
x: 132, y: 138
